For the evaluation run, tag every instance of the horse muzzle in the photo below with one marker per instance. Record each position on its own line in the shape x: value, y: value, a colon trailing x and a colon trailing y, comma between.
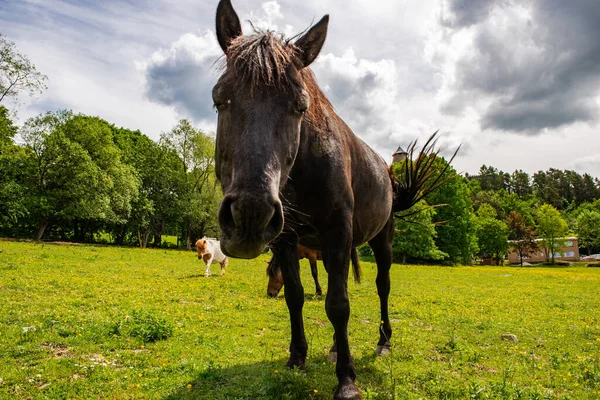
x: 249, y: 223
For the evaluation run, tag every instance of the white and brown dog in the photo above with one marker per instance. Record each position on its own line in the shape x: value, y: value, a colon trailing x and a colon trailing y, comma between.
x: 209, y: 250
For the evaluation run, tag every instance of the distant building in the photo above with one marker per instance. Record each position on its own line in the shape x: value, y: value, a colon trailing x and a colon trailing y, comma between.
x: 570, y: 249
x: 399, y: 155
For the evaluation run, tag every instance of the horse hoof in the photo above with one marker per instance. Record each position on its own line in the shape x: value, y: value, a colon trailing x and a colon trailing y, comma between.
x: 384, y: 350
x: 332, y: 357
x: 295, y: 364
x: 347, y: 391
x: 207, y: 275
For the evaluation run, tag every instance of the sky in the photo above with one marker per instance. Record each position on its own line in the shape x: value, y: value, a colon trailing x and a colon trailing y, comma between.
x: 516, y: 82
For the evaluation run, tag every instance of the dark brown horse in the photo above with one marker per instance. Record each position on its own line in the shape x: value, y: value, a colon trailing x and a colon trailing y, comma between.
x: 293, y: 172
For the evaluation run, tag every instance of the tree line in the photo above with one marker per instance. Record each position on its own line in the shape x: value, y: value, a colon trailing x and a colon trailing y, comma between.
x: 487, y: 214
x: 80, y: 178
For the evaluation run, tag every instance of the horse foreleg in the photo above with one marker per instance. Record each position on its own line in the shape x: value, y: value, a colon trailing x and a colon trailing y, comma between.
x: 287, y: 257
x: 336, y: 256
x: 382, y: 249
x: 315, y: 274
x: 208, y: 261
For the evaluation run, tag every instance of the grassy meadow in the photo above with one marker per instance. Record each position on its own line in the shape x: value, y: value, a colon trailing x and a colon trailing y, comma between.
x: 83, y: 322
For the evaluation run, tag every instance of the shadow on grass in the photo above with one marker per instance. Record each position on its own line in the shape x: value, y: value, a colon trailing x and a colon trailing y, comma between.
x: 272, y: 380
x: 545, y: 266
x: 192, y: 276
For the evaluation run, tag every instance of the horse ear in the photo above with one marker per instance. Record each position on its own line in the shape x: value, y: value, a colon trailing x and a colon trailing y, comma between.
x: 228, y: 24
x: 311, y: 42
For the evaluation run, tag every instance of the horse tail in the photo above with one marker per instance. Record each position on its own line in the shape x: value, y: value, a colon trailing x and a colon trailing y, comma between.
x: 355, y: 264
x: 420, y: 175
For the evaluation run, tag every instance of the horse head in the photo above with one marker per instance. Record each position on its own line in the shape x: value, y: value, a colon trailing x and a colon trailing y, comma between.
x: 275, y: 278
x: 262, y: 100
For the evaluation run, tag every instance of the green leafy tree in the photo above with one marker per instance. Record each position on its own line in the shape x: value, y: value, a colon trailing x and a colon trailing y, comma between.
x: 199, y: 194
x: 75, y: 176
x: 7, y: 131
x: 520, y: 184
x: 547, y: 188
x: 491, y: 198
x: 17, y: 73
x: 588, y: 229
x: 142, y: 153
x: 522, y: 236
x: 492, y: 234
x: 415, y: 235
x: 512, y: 202
x: 12, y: 207
x: 456, y: 229
x: 551, y: 226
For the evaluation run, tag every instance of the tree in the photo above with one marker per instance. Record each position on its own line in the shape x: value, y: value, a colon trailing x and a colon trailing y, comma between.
x: 522, y: 236
x: 492, y: 234
x: 415, y: 235
x: 12, y: 206
x: 492, y: 179
x: 551, y: 226
x: 520, y: 184
x: 199, y: 193
x: 17, y: 73
x: 75, y: 175
x: 588, y: 229
x: 491, y: 198
x: 511, y: 202
x: 456, y: 230
x: 547, y: 188
x: 589, y: 191
x: 7, y: 131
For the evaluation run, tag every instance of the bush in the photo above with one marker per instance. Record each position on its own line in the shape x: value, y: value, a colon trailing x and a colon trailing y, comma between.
x: 365, y: 252
x: 594, y: 265
x: 145, y: 325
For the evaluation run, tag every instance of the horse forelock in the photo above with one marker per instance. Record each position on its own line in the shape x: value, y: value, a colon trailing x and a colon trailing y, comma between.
x: 263, y: 59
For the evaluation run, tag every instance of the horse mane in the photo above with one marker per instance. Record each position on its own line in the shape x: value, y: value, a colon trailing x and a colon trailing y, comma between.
x: 263, y: 59
x: 272, y: 268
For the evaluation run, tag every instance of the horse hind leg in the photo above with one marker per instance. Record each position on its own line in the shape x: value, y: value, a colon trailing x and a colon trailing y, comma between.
x: 224, y: 265
x: 315, y: 274
x: 382, y: 249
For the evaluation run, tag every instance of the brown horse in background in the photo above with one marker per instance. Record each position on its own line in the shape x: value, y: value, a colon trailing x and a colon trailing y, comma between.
x: 276, y: 278
x: 293, y: 172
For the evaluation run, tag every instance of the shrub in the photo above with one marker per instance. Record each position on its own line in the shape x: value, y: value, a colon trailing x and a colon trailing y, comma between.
x: 145, y: 325
x: 594, y: 265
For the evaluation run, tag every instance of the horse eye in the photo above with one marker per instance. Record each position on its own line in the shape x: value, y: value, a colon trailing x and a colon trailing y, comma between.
x: 222, y: 106
x: 301, y: 109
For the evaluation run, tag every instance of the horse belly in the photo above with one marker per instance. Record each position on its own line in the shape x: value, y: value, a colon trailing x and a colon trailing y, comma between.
x: 372, y: 190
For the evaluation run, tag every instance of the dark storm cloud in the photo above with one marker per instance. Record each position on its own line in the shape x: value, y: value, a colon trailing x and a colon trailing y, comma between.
x: 537, y: 71
x: 183, y: 76
x: 464, y: 13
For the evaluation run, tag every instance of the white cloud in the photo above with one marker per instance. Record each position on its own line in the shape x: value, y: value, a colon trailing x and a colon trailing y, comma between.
x: 393, y: 70
x: 524, y: 66
x: 183, y: 75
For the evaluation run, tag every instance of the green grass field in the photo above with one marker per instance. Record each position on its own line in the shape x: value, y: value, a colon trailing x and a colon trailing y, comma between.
x: 79, y: 322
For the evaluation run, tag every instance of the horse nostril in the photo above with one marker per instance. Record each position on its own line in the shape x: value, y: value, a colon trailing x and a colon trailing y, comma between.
x: 226, y: 217
x: 272, y: 294
x: 275, y: 224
